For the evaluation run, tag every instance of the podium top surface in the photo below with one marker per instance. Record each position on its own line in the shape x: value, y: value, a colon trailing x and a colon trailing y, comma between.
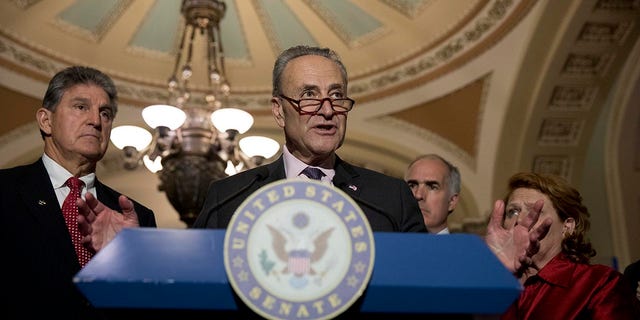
x: 184, y: 269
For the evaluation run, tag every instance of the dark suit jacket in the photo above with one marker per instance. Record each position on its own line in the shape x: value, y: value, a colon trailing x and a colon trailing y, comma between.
x: 387, y: 202
x: 39, y: 259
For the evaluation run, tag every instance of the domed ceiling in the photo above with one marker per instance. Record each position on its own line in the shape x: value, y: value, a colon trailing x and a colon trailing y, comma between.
x: 137, y: 40
x: 389, y: 47
x: 495, y: 86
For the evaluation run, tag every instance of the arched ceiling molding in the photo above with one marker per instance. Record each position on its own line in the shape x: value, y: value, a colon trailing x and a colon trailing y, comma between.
x: 423, y: 34
x: 20, y: 146
x: 24, y: 4
x: 112, y: 16
x: 26, y: 62
x: 582, y: 58
x: 20, y: 81
x: 466, y: 211
x: 90, y: 19
x: 623, y: 160
x: 494, y: 18
x: 455, y: 116
x: 410, y: 9
x: 21, y: 96
x: 539, y: 67
x: 352, y: 24
x: 484, y: 31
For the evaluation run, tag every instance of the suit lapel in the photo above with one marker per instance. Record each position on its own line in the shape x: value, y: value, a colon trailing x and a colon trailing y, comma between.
x: 38, y: 195
x: 107, y: 195
x: 346, y: 178
x: 275, y: 171
x: 39, y: 198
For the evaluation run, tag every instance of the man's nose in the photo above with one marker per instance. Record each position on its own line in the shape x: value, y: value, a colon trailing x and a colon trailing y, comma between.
x: 95, y: 118
x: 325, y: 107
x: 418, y: 192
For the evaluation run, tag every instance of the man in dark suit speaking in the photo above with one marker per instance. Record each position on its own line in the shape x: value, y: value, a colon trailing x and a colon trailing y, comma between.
x: 42, y: 244
x: 309, y: 101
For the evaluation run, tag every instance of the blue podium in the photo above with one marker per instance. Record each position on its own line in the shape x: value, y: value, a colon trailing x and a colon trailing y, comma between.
x: 168, y: 269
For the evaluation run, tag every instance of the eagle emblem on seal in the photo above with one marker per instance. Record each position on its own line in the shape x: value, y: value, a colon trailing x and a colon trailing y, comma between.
x: 299, y: 252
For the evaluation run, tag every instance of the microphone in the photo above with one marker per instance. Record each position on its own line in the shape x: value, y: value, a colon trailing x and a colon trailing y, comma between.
x: 372, y: 206
x: 260, y: 173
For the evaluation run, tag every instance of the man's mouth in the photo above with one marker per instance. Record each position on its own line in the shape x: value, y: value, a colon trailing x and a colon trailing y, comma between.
x: 325, y: 127
x: 89, y: 135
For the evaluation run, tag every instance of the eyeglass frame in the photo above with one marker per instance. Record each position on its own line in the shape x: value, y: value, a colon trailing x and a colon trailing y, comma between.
x: 296, y: 104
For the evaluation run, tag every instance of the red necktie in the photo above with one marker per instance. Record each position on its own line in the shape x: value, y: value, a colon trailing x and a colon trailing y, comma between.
x: 70, y: 213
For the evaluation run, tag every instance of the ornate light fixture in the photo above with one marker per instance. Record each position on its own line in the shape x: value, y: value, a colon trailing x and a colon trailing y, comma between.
x: 194, y: 140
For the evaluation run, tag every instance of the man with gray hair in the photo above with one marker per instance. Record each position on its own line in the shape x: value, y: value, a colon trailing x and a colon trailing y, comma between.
x: 435, y: 184
x: 46, y: 221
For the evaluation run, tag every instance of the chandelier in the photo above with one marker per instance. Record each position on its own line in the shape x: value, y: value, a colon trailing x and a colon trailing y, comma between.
x: 195, y: 140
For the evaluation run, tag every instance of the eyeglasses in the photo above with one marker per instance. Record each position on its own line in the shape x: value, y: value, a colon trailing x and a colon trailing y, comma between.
x: 312, y: 106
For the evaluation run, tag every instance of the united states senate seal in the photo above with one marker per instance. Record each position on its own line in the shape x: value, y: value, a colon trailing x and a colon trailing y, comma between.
x: 299, y: 249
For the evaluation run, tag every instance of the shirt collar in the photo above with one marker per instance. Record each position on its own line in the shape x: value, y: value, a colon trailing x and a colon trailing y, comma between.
x: 59, y: 175
x: 294, y: 166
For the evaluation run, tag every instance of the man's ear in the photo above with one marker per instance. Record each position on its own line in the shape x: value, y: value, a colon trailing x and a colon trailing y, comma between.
x: 453, y: 202
x: 43, y: 117
x: 276, y: 110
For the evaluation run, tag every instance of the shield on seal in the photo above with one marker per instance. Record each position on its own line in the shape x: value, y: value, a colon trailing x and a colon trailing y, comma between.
x: 299, y: 262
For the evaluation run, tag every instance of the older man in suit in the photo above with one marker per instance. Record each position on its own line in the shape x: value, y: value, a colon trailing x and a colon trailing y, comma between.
x: 309, y: 101
x: 42, y: 243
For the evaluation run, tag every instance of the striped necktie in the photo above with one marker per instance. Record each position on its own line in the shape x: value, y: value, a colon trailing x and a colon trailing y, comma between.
x: 313, y: 173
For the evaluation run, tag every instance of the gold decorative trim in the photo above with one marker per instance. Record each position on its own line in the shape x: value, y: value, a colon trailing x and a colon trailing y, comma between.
x: 560, y: 165
x: 429, y: 62
x: 150, y: 53
x: 267, y: 26
x: 560, y: 132
x: 146, y: 94
x: 19, y: 132
x: 336, y: 25
x: 104, y: 25
x: 409, y: 8
x: 24, y: 4
x: 618, y: 5
x: 140, y: 93
x: 590, y: 65
x: 486, y: 85
x: 612, y: 33
x: 572, y: 98
x: 16, y: 54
